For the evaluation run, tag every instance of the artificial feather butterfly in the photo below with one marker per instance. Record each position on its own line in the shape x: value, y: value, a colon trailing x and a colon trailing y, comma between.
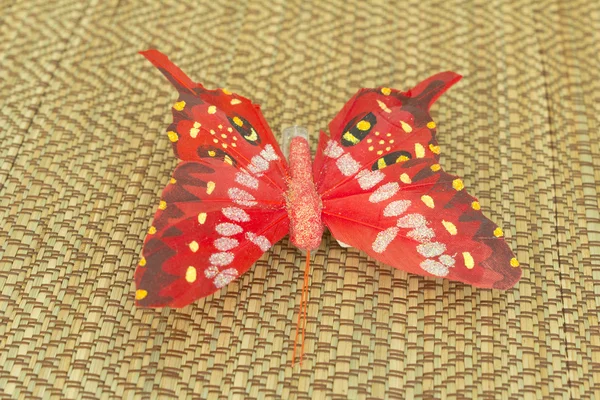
x: 376, y: 184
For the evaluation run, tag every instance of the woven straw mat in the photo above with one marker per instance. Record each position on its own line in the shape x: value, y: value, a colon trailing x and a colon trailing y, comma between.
x: 84, y: 158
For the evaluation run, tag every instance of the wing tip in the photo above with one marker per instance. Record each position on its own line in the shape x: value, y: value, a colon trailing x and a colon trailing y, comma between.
x: 171, y: 71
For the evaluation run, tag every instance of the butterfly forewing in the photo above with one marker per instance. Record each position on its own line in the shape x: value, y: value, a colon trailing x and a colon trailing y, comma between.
x: 385, y: 193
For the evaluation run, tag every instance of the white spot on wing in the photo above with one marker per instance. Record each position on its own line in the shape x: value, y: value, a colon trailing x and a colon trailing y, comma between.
x: 211, y: 271
x: 384, y: 192
x: 261, y: 241
x: 447, y: 260
x: 241, y: 197
x: 368, y: 179
x: 268, y: 153
x: 333, y: 149
x: 435, y: 268
x: 384, y: 238
x: 412, y: 221
x: 259, y: 165
x: 245, y: 179
x: 225, y: 277
x: 347, y: 165
x: 432, y: 249
x: 228, y: 229
x: 236, y: 214
x: 396, y: 208
x: 421, y: 234
x: 221, y: 259
x: 225, y: 243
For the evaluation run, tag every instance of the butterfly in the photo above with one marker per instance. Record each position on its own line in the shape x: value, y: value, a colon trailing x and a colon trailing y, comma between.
x: 375, y: 183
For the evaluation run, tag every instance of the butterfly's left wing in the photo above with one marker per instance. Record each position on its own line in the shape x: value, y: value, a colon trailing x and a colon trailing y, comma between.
x: 224, y: 205
x: 385, y: 193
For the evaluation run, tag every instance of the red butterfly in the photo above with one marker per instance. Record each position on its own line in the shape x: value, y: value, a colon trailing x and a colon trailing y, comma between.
x: 375, y: 183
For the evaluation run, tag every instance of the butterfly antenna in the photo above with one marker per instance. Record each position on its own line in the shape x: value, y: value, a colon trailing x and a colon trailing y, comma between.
x: 302, y: 313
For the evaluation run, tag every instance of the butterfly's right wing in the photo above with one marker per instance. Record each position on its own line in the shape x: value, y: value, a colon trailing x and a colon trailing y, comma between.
x: 385, y: 193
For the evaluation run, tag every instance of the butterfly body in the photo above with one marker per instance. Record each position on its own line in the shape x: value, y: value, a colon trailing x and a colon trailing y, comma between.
x: 375, y: 183
x: 304, y: 204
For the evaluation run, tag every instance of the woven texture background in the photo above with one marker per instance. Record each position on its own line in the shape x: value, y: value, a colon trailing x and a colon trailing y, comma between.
x: 84, y: 157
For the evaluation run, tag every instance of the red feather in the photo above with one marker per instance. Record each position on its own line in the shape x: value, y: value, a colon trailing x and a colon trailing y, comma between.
x: 384, y: 192
x: 225, y: 205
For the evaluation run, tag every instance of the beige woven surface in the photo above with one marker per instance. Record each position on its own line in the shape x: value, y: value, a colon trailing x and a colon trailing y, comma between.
x: 83, y: 158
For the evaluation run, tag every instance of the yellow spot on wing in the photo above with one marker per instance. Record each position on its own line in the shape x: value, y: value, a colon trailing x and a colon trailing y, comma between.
x: 404, y: 178
x: 162, y: 205
x: 402, y: 159
x: 514, y: 262
x: 435, y: 167
x: 210, y: 186
x: 190, y: 274
x: 227, y: 159
x: 428, y: 201
x: 363, y: 125
x: 381, y: 163
x: 194, y: 246
x: 201, y: 218
x: 172, y: 136
x: 172, y: 181
x: 211, y: 153
x: 179, y: 105
x: 383, y: 106
x: 406, y: 127
x: 253, y: 136
x: 212, y: 109
x: 450, y: 227
x: 475, y: 205
x: 457, y: 184
x: 386, y: 91
x: 226, y: 91
x: 434, y: 149
x: 351, y: 138
x: 431, y: 125
x: 152, y: 230
x: 498, y: 232
x: 140, y: 294
x: 238, y: 121
x: 143, y: 262
x: 419, y: 150
x: 469, y: 262
x: 235, y: 101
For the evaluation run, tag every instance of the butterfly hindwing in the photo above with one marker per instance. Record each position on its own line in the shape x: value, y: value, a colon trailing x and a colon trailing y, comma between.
x: 224, y: 205
x: 385, y: 192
